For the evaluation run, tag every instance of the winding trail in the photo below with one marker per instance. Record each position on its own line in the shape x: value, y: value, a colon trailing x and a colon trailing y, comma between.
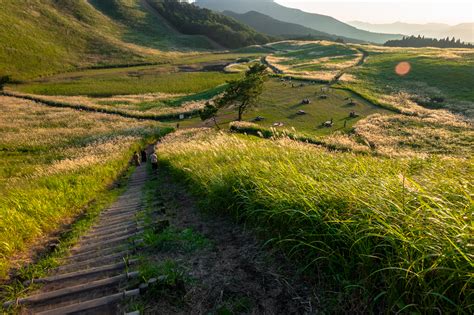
x: 94, y: 278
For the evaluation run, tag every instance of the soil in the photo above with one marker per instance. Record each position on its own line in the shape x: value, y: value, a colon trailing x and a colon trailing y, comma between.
x: 236, y: 275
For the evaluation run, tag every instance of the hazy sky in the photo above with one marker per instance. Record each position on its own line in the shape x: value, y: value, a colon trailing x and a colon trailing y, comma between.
x: 388, y: 11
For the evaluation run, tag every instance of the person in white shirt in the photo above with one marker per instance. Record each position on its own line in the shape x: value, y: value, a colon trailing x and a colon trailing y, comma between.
x: 154, y: 161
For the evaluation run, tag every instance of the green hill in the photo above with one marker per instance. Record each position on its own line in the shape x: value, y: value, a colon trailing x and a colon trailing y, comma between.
x: 318, y: 22
x: 190, y: 19
x: 41, y: 37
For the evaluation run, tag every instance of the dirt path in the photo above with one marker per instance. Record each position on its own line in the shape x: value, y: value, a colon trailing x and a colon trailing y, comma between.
x: 94, y: 277
x: 359, y: 63
x: 232, y: 274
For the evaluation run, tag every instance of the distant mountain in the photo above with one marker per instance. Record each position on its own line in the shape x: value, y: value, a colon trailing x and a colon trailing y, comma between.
x: 464, y: 31
x: 322, y: 23
x: 270, y: 26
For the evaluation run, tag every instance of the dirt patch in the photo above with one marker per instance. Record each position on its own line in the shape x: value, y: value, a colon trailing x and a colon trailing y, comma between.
x: 235, y: 275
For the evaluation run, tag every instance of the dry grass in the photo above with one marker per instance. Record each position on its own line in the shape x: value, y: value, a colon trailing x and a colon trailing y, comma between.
x: 53, y: 162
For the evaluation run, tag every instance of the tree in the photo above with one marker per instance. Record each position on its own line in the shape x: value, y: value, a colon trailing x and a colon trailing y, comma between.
x: 244, y: 92
x: 209, y: 112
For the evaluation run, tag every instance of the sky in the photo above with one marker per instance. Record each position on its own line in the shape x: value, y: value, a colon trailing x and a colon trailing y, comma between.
x: 389, y: 11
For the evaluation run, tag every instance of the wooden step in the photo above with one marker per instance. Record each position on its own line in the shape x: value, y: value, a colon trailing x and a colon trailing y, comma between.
x: 44, y: 297
x: 82, y: 273
x: 92, y: 304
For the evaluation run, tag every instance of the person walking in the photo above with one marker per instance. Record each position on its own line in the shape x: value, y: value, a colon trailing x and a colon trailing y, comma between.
x: 136, y: 159
x: 154, y: 161
x: 143, y: 154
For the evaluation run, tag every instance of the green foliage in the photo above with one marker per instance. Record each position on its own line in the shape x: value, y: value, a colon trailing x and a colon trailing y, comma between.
x: 245, y: 92
x: 190, y: 19
x: 419, y: 41
x: 388, y: 234
x: 113, y: 84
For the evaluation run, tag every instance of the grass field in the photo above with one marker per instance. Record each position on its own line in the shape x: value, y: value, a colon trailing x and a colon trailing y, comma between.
x: 376, y: 234
x: 280, y: 102
x: 320, y: 60
x: 53, y: 162
x: 439, y: 78
x: 110, y: 85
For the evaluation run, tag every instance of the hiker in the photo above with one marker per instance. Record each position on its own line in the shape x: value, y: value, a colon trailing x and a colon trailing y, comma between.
x: 143, y: 154
x: 136, y: 159
x: 154, y: 161
x: 177, y: 126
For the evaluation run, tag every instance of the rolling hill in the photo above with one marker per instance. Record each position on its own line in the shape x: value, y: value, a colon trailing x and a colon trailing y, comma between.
x: 40, y: 38
x: 314, y: 21
x: 270, y: 26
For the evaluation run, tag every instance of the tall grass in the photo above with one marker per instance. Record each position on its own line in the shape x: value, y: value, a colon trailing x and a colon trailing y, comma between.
x: 377, y: 234
x: 53, y: 163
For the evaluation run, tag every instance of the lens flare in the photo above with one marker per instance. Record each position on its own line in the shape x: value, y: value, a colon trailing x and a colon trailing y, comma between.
x: 403, y: 68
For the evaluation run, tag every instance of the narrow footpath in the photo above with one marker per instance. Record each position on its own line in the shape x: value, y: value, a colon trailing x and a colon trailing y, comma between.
x: 93, y: 279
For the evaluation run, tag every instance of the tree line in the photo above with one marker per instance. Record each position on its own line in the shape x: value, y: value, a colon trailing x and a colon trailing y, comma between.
x: 192, y: 20
x: 421, y: 41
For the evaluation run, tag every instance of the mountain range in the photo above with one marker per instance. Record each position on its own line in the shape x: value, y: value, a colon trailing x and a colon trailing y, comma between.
x: 267, y: 25
x: 464, y: 31
x: 317, y: 22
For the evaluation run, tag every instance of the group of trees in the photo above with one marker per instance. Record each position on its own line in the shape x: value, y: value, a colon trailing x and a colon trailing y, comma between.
x: 192, y: 20
x: 421, y: 41
x: 239, y: 93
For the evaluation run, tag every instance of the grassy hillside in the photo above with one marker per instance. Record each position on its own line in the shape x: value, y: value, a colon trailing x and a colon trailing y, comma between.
x: 144, y: 27
x: 376, y: 234
x: 42, y: 37
x: 438, y: 78
x: 313, y: 60
x: 190, y: 19
x: 53, y: 163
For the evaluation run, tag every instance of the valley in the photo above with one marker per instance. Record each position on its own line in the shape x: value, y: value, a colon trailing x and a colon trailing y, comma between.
x: 350, y: 172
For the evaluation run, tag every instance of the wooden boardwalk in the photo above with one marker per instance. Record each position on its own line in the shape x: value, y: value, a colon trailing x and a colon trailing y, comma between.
x: 93, y: 279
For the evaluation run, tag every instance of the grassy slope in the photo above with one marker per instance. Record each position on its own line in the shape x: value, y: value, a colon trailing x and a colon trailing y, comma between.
x: 144, y: 28
x: 45, y: 37
x: 115, y: 84
x: 53, y: 162
x: 379, y: 235
x: 280, y: 103
x: 444, y: 73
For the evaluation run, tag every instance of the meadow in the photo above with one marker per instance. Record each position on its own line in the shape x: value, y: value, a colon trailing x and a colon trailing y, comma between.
x: 439, y: 78
x: 320, y: 61
x: 375, y: 234
x: 53, y: 163
x: 129, y: 83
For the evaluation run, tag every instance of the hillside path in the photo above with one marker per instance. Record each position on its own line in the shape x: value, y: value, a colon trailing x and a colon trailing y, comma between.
x: 93, y: 279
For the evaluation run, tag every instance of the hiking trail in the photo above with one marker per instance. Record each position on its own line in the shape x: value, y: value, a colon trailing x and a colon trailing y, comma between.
x: 93, y: 279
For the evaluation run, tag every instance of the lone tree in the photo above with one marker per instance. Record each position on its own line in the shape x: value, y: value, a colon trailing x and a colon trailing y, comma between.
x: 244, y: 92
